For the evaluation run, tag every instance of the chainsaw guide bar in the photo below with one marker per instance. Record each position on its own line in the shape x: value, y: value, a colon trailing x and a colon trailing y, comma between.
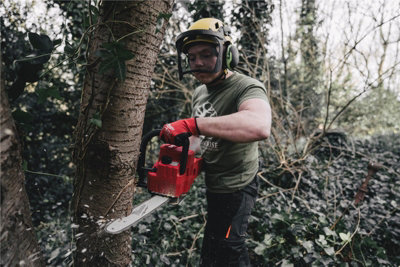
x: 138, y: 213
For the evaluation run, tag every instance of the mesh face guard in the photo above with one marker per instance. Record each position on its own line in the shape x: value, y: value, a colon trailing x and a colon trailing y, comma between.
x: 192, y: 37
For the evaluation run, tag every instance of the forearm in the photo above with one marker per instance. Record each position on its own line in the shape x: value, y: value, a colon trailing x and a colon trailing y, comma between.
x: 241, y: 127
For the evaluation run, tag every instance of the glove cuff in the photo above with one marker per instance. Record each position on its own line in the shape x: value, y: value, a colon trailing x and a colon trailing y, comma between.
x: 197, y: 127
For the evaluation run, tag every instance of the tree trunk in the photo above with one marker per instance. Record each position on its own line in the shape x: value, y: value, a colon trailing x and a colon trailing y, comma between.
x: 106, y: 156
x: 19, y: 246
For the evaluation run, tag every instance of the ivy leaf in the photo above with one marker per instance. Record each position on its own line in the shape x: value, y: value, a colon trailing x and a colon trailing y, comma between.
x: 124, y: 54
x: 44, y: 93
x: 25, y: 165
x: 57, y: 42
x: 308, y: 245
x: 96, y: 120
x: 160, y: 20
x: 121, y: 70
x: 114, y: 55
x: 330, y: 251
x: 286, y: 263
x: 22, y: 116
x: 165, y: 16
x: 68, y: 49
x: 40, y: 42
x: 329, y: 232
x: 345, y: 237
x: 259, y: 250
x: 107, y: 64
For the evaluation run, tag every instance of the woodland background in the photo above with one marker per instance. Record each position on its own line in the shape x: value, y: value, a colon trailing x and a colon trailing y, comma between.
x: 332, y: 73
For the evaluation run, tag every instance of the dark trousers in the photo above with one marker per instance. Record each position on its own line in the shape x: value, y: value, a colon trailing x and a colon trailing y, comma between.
x: 225, y: 232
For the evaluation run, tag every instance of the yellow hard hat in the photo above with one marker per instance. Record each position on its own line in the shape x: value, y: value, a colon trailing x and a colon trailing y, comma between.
x: 209, y: 30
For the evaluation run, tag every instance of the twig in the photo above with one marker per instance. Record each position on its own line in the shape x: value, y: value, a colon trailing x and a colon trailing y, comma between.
x: 47, y: 174
x: 119, y: 194
x: 196, y: 237
x: 296, y: 187
x: 188, y: 217
x: 194, y: 242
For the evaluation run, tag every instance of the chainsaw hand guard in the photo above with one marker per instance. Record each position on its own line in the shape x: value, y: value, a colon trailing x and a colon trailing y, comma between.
x: 181, y: 140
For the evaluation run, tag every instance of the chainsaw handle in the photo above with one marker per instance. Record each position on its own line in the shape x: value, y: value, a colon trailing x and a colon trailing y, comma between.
x: 142, y: 156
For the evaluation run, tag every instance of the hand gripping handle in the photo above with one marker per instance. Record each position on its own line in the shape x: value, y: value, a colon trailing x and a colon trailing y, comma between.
x: 142, y: 156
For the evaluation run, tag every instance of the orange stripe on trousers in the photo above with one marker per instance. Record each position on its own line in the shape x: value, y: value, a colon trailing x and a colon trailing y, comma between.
x: 229, y: 231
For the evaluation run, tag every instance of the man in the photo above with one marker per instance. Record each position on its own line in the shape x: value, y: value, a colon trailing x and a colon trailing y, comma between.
x: 230, y: 114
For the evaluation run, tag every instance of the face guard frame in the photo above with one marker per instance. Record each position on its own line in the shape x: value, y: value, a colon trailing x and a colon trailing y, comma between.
x: 217, y: 35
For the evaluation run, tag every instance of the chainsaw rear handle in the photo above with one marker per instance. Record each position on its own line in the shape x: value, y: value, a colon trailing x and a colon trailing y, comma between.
x: 142, y: 156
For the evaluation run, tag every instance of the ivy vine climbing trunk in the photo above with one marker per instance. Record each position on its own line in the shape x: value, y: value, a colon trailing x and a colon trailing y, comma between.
x: 109, y: 128
x: 19, y: 246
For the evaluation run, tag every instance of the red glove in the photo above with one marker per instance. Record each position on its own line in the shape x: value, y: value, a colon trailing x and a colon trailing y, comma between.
x: 175, y: 132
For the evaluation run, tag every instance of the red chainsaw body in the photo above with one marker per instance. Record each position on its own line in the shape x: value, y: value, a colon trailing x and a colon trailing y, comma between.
x: 166, y: 179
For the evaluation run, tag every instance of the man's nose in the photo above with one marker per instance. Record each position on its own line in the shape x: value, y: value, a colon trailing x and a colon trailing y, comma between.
x: 198, y: 62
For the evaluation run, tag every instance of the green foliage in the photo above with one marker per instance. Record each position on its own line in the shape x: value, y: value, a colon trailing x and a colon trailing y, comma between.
x: 113, y: 56
x: 297, y: 230
x: 297, y: 226
x: 96, y: 120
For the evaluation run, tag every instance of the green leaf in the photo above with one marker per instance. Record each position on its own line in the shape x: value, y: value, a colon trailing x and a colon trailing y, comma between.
x: 96, y: 120
x: 329, y: 232
x: 113, y: 57
x: 40, y: 42
x: 57, y: 42
x: 286, y: 263
x: 24, y: 165
x: 68, y: 49
x: 107, y: 64
x: 44, y: 93
x: 120, y: 70
x: 308, y: 245
x: 267, y: 239
x: 124, y: 54
x: 259, y: 250
x: 277, y: 217
x: 345, y: 237
x: 165, y: 16
x: 330, y: 251
x: 109, y: 46
x: 160, y: 20
x: 22, y: 116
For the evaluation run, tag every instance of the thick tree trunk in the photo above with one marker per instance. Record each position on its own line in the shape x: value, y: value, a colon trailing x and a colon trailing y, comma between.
x: 106, y: 157
x: 19, y: 246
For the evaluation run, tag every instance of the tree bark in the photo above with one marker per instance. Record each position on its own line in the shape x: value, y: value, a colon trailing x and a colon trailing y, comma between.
x: 19, y: 246
x: 106, y: 157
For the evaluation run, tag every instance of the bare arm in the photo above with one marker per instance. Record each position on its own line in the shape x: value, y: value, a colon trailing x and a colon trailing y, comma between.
x: 252, y: 122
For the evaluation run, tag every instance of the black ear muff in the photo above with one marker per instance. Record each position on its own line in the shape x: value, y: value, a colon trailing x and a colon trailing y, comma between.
x: 231, y: 57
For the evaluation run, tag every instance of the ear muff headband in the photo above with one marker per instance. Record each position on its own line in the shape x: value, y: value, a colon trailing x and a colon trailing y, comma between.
x: 231, y: 57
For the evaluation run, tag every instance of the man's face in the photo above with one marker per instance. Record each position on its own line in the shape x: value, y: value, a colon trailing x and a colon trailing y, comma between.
x: 203, y: 57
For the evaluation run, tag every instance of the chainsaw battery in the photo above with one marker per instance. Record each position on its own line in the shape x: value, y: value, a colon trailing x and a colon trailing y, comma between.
x: 165, y: 178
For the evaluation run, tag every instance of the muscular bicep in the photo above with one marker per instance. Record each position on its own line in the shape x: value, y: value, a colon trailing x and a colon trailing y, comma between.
x: 256, y: 106
x: 258, y: 112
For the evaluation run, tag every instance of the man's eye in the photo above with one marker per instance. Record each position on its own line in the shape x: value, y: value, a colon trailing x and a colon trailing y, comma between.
x: 206, y: 55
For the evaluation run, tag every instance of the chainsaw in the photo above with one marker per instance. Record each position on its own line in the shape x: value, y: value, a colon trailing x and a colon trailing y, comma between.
x: 168, y: 180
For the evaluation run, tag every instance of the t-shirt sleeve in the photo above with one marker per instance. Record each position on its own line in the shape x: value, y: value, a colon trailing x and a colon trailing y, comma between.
x: 252, y: 92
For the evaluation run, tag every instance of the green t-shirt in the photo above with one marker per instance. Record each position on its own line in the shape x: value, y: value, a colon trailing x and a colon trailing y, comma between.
x: 228, y: 166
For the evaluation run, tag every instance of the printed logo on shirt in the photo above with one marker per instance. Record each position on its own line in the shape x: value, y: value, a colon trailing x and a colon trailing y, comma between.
x: 205, y: 110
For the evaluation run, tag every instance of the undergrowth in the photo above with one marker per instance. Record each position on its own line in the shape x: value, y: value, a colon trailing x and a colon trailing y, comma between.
x: 307, y: 218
